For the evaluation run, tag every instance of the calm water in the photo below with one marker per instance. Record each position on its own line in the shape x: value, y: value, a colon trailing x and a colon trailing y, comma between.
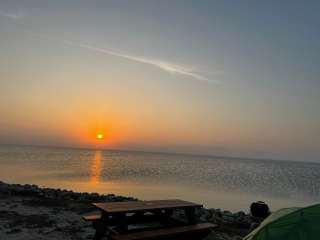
x: 216, y: 182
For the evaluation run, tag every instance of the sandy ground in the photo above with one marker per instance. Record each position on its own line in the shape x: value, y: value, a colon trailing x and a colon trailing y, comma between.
x: 29, y: 218
x: 28, y: 212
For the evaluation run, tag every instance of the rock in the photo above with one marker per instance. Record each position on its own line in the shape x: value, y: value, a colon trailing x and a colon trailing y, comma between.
x: 204, y: 215
x: 236, y: 238
x: 219, y: 236
x: 228, y: 219
x: 227, y: 213
x: 13, y: 231
x: 240, y: 214
x: 58, y: 194
x: 254, y: 225
x: 89, y: 236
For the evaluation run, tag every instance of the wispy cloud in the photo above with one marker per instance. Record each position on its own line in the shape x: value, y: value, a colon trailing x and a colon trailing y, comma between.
x: 169, y: 67
x: 13, y: 16
x: 163, y: 65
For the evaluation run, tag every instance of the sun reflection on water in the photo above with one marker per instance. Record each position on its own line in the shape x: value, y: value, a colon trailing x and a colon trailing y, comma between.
x: 96, y: 167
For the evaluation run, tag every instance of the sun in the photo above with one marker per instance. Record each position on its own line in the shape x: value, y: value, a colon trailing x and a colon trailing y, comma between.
x: 100, y: 136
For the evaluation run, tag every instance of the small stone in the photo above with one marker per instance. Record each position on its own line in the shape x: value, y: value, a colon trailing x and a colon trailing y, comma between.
x: 13, y: 231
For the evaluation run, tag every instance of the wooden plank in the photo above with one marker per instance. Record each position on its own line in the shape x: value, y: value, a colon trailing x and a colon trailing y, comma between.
x: 91, y: 218
x: 142, y: 206
x: 165, y: 233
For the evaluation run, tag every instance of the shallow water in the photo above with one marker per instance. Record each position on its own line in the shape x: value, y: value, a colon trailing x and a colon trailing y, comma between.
x: 216, y: 182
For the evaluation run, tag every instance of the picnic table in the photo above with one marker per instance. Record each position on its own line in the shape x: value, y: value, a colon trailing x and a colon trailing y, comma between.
x: 120, y: 220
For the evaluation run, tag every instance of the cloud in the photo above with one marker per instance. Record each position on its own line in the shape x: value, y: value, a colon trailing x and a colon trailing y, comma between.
x: 163, y: 65
x: 166, y: 66
x: 12, y: 16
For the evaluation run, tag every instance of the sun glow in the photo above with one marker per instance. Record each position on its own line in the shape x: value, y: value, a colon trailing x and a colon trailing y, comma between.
x: 99, y: 136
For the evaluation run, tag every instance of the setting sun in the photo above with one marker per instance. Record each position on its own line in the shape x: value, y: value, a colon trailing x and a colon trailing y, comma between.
x: 100, y: 136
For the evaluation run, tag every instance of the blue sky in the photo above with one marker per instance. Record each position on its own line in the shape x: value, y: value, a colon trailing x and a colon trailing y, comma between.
x: 236, y: 78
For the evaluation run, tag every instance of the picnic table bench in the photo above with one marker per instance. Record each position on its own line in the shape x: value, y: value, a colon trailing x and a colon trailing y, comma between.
x: 196, y: 231
x: 119, y: 220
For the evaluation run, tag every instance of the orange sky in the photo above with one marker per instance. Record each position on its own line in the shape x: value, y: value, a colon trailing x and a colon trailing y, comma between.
x: 161, y: 80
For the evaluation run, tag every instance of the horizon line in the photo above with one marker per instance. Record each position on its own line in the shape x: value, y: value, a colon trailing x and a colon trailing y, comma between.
x: 159, y: 152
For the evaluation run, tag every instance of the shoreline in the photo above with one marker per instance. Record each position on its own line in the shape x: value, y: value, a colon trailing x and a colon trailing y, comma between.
x: 32, y: 212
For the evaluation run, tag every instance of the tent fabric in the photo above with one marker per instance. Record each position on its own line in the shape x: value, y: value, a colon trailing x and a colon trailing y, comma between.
x: 289, y: 224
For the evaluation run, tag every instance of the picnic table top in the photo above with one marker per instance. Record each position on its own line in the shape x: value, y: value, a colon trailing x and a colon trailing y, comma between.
x: 142, y: 206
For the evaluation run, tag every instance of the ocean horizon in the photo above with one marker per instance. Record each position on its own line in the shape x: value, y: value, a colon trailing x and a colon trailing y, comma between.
x: 217, y: 182
x: 161, y: 152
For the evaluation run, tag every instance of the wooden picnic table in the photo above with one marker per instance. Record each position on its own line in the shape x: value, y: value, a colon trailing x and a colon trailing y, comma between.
x: 144, y: 206
x: 121, y: 214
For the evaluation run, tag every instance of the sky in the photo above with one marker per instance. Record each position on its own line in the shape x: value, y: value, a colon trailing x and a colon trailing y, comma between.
x: 234, y: 78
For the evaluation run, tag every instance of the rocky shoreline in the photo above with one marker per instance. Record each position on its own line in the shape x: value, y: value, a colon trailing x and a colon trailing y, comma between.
x: 31, y: 212
x: 58, y: 194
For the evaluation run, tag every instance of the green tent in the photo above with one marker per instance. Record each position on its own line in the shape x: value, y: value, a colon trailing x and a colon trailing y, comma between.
x: 289, y: 224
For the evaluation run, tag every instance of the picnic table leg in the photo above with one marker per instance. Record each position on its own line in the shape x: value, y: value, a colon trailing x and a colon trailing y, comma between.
x: 100, y: 227
x: 100, y: 230
x: 97, y: 236
x: 122, y: 219
x: 165, y: 216
x: 191, y: 215
x: 168, y: 213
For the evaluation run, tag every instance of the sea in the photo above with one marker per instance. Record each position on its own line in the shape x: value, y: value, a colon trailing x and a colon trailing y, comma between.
x: 216, y: 182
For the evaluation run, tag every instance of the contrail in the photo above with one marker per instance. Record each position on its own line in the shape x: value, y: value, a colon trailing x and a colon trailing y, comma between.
x: 161, y: 64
